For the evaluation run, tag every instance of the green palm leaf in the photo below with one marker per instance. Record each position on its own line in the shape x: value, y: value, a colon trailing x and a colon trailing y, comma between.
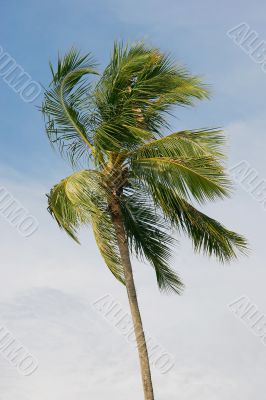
x: 197, y: 143
x: 201, y: 177
x: 207, y: 235
x: 149, y: 238
x: 81, y: 199
x: 66, y: 123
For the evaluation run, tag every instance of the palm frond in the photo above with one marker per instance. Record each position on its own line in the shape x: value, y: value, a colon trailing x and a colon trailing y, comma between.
x: 67, y: 126
x: 137, y: 88
x: 195, y: 143
x: 105, y: 236
x: 201, y: 178
x: 148, y: 238
x: 208, y: 235
x: 81, y: 199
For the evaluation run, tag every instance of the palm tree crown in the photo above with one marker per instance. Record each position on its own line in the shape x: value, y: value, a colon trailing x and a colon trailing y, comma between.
x: 114, y: 127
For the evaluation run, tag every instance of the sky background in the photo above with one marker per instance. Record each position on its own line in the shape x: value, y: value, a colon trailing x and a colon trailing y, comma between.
x: 48, y: 282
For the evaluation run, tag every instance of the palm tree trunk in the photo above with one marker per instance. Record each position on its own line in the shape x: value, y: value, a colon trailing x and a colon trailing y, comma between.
x: 133, y: 301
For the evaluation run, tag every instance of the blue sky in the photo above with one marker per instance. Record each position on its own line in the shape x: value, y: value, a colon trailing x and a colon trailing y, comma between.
x: 48, y: 282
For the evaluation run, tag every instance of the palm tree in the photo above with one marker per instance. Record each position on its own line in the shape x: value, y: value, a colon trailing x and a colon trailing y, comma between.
x: 134, y: 184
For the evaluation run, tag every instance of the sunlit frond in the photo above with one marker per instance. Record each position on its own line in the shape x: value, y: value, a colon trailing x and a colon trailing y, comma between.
x: 105, y: 236
x: 200, y: 178
x: 81, y: 199
x: 195, y: 143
